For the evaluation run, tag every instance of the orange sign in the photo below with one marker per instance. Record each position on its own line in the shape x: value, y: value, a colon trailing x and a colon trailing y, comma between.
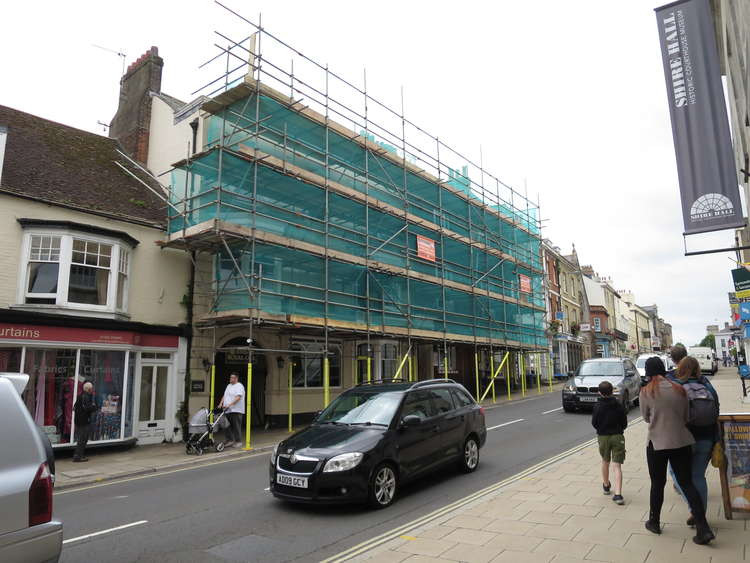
x: 425, y: 248
x: 524, y: 283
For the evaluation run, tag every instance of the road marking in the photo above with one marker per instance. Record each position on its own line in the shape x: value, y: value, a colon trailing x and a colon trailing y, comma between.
x: 119, y: 497
x: 553, y: 410
x: 505, y: 424
x: 158, y: 474
x: 401, y: 530
x: 267, y: 489
x: 102, y: 532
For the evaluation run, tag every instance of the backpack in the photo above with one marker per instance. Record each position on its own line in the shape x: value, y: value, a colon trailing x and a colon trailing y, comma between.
x: 703, y: 409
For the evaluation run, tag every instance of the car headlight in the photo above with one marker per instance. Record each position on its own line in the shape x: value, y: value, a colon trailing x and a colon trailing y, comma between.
x: 273, y: 454
x: 343, y: 462
x: 569, y: 388
x: 616, y: 391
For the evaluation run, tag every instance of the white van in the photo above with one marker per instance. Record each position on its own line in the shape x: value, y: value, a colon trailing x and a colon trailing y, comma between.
x: 705, y: 357
x: 28, y: 532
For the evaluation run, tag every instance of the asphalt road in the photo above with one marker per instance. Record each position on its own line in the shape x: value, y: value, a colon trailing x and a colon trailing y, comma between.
x: 223, y: 512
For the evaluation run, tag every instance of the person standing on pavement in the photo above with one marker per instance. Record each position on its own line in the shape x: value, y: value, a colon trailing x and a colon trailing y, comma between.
x: 705, y: 435
x: 677, y: 353
x: 234, y: 403
x: 610, y: 421
x: 664, y: 406
x: 83, y: 408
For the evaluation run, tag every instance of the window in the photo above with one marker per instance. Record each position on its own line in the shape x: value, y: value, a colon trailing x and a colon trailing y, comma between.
x: 307, y: 364
x: 75, y: 271
x: 597, y: 324
x: 418, y: 403
x: 441, y: 399
x: 461, y: 399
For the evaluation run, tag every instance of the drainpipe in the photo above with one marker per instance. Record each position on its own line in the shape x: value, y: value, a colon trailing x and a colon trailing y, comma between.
x: 189, y: 315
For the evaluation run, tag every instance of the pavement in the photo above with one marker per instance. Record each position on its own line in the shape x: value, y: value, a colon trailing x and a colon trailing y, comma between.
x: 106, y: 464
x: 556, y: 512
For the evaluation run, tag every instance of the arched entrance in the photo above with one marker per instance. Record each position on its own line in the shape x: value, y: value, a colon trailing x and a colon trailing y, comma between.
x: 233, y: 358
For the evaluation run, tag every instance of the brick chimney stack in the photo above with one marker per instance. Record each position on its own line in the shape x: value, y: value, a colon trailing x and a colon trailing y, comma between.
x: 132, y: 122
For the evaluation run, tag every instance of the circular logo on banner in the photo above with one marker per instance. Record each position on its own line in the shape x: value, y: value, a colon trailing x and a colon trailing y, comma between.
x: 709, y: 206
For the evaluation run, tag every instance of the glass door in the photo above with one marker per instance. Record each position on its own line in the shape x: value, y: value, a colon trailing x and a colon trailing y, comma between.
x: 152, y: 403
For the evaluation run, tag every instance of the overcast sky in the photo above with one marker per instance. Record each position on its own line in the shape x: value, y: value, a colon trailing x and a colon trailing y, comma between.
x: 567, y: 98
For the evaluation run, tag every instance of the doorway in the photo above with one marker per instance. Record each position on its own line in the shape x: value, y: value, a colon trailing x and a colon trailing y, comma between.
x: 234, y: 359
x: 152, y: 382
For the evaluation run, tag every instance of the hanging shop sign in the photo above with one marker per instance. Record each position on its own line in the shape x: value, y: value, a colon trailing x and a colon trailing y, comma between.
x: 705, y: 160
x: 735, y: 473
x: 585, y: 327
x: 425, y: 248
x: 41, y: 333
x: 741, y: 278
x: 524, y: 283
x: 745, y: 311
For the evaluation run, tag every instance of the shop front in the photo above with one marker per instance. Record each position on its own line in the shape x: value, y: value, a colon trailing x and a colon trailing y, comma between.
x: 137, y: 383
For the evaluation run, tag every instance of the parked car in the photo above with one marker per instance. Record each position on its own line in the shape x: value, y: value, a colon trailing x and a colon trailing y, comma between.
x: 706, y: 358
x: 374, y: 438
x: 640, y: 364
x: 28, y: 532
x: 582, y: 390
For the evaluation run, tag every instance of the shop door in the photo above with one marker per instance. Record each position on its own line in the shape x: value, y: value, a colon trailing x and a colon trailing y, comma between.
x: 152, y: 401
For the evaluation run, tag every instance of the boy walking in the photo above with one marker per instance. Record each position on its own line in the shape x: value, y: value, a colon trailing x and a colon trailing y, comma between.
x: 610, y: 421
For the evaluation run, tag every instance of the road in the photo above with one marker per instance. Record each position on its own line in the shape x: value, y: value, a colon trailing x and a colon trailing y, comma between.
x: 223, y: 512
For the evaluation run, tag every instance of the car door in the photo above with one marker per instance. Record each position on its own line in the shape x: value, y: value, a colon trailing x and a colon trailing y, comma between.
x: 418, y: 443
x: 451, y: 423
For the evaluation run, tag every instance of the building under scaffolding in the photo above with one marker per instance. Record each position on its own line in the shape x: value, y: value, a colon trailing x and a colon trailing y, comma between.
x: 334, y: 247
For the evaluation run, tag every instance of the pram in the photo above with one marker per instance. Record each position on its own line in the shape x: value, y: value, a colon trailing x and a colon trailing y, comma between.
x: 200, y: 430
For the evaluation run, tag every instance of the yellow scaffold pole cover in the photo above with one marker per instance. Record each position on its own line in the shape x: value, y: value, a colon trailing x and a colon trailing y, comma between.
x: 507, y: 378
x: 538, y: 367
x: 401, y: 365
x: 211, y: 396
x: 445, y: 366
x: 494, y: 375
x: 326, y: 382
x: 248, y: 407
x: 289, y: 385
x: 523, y: 376
x: 492, y: 371
x: 369, y: 369
x: 551, y: 374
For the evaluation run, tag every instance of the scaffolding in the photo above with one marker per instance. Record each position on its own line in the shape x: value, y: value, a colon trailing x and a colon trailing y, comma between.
x: 324, y: 209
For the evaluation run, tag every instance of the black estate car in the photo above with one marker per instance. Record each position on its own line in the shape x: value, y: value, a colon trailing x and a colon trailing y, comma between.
x: 375, y: 437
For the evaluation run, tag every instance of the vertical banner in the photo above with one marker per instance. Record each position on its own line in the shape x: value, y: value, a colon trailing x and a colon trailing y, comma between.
x: 524, y: 283
x: 425, y: 248
x: 706, y: 169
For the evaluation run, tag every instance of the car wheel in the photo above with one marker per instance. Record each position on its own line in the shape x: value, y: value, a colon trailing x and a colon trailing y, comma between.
x: 383, y: 485
x: 626, y: 402
x: 470, y: 459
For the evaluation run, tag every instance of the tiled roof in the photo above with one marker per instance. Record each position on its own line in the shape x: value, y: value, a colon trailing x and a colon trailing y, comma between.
x: 171, y: 101
x: 61, y: 165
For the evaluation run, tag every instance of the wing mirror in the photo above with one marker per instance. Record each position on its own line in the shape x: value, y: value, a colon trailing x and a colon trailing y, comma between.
x: 410, y: 420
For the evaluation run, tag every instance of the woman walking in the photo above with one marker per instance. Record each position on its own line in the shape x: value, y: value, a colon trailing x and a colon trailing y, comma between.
x: 664, y: 406
x: 705, y: 435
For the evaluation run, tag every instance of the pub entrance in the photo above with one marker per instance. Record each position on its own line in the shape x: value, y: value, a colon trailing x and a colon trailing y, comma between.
x: 232, y: 357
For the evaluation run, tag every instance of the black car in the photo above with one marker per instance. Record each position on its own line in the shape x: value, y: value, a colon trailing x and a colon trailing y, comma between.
x: 375, y: 437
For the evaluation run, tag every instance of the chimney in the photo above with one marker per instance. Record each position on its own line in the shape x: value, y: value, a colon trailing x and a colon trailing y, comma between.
x: 132, y: 122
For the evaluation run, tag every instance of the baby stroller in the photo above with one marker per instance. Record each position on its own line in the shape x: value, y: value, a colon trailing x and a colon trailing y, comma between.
x: 200, y: 430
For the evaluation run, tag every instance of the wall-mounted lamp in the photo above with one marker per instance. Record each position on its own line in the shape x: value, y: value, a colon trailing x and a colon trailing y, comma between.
x: 280, y: 362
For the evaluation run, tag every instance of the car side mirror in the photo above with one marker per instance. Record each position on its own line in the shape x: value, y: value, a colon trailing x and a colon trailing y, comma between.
x: 316, y: 416
x: 410, y: 420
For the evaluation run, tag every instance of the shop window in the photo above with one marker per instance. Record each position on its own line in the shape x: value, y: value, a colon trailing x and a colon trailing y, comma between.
x: 106, y: 370
x: 158, y: 356
x: 307, y: 364
x: 75, y: 271
x: 389, y: 359
x: 597, y: 324
x: 128, y: 426
x: 10, y: 360
x: 439, y: 356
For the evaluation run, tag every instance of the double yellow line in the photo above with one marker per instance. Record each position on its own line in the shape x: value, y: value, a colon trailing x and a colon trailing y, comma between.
x: 401, y: 530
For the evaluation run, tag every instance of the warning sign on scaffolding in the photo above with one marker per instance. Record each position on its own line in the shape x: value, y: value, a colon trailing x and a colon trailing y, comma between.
x: 425, y: 248
x: 524, y: 283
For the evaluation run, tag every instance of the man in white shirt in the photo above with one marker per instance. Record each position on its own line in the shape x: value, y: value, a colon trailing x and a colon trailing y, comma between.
x: 234, y: 403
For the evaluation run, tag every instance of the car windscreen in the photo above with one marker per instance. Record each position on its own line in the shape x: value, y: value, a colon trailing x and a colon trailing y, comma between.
x: 600, y: 368
x: 362, y: 407
x: 641, y: 363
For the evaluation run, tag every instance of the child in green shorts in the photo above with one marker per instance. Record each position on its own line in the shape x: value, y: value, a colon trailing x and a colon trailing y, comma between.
x: 610, y: 421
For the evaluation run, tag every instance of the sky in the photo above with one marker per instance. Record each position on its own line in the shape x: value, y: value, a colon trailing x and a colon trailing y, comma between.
x: 564, y: 99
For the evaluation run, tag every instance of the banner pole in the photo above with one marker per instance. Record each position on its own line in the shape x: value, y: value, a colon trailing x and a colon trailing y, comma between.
x: 248, y: 407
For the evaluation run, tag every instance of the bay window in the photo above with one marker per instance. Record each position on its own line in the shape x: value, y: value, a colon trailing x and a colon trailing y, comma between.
x: 75, y: 270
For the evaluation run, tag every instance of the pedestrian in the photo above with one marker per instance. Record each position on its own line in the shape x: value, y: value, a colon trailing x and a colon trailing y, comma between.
x: 233, y: 402
x: 83, y: 408
x: 665, y: 407
x: 610, y: 421
x: 703, y: 423
x: 677, y: 353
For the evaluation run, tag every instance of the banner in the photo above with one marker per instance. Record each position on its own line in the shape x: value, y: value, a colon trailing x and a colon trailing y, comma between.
x: 425, y: 248
x: 703, y: 148
x: 741, y: 278
x: 524, y: 283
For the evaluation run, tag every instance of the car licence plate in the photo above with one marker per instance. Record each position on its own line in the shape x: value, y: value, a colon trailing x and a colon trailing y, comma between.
x: 588, y: 399
x: 291, y: 481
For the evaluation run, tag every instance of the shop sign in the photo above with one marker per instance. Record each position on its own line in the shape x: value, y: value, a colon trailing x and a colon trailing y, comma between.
x: 585, y: 327
x: 735, y: 475
x: 524, y: 283
x: 425, y: 248
x: 40, y: 333
x: 197, y: 386
x: 741, y: 278
x: 745, y: 311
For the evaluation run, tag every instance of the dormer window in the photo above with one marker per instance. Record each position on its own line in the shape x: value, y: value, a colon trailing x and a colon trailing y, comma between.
x: 76, y: 270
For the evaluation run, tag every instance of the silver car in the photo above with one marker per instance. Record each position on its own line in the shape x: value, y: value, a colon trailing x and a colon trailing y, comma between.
x: 28, y: 532
x: 582, y: 390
